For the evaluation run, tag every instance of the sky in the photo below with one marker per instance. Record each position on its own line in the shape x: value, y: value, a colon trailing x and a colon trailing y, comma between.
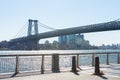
x: 60, y: 14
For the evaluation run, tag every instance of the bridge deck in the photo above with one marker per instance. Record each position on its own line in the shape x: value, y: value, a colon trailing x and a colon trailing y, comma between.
x: 108, y: 26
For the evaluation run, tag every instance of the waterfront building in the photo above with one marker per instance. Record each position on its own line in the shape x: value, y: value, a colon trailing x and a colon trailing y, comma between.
x: 62, y: 42
x: 75, y: 41
x: 81, y: 43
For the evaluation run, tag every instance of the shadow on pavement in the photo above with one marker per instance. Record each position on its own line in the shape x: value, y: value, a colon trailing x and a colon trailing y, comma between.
x: 102, y: 76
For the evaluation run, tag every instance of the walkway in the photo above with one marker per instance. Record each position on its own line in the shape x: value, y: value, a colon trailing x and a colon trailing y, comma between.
x: 64, y: 76
x: 112, y: 72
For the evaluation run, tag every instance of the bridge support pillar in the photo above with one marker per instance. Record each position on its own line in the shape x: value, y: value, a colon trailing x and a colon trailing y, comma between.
x: 32, y: 30
x: 30, y: 27
x: 33, y: 45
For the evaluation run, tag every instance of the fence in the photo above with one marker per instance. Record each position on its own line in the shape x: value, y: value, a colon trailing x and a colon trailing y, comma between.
x: 55, y: 61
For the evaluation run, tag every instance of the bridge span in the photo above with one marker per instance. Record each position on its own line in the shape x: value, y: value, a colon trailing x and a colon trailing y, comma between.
x: 107, y: 26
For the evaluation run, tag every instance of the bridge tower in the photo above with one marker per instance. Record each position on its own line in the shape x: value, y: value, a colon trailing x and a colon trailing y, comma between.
x: 32, y: 30
x: 32, y: 27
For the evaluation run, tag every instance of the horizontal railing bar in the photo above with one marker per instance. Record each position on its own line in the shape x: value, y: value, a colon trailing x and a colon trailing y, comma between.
x: 60, y: 51
x: 2, y: 55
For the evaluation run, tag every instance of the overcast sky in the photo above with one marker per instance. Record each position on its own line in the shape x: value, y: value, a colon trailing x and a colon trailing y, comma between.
x: 60, y: 14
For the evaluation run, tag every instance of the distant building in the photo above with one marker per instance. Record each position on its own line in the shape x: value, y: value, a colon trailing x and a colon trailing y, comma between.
x: 75, y: 41
x: 62, y: 39
x: 62, y: 42
x: 113, y: 46
x: 82, y: 43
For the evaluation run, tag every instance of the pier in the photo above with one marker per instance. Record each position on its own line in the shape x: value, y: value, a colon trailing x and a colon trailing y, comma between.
x: 57, y: 63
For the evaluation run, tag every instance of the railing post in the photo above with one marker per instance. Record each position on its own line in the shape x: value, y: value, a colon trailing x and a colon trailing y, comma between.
x: 78, y: 60
x: 17, y: 65
x: 55, y: 63
x: 97, y: 67
x: 118, y: 58
x: 93, y: 59
x: 74, y: 64
x: 107, y: 60
x: 42, y: 65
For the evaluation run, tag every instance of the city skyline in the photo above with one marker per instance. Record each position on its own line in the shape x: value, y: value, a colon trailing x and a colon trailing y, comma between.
x: 60, y: 14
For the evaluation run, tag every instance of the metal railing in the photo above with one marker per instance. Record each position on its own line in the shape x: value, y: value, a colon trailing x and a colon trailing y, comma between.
x: 20, y: 61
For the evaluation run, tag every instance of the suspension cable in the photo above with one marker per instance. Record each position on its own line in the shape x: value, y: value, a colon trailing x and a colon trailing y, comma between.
x: 45, y: 26
x: 21, y: 30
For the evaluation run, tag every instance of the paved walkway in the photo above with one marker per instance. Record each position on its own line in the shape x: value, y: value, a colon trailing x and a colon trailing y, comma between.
x: 112, y: 72
x: 64, y: 76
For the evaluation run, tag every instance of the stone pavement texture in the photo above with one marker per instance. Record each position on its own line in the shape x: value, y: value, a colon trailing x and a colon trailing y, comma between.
x: 112, y: 72
x: 64, y: 76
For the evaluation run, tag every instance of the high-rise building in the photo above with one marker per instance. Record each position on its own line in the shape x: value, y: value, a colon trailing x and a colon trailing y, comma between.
x: 62, y: 39
x: 75, y: 41
x: 62, y: 42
